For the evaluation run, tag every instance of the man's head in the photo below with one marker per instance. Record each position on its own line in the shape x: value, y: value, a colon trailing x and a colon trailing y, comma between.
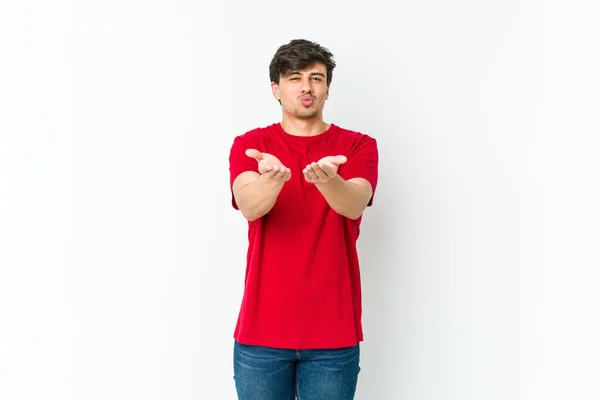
x: 301, y: 72
x: 298, y: 55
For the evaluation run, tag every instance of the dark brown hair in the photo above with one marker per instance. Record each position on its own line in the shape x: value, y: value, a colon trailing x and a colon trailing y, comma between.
x: 298, y: 55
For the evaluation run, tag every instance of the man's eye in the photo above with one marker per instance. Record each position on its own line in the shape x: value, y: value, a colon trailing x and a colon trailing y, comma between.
x: 317, y: 79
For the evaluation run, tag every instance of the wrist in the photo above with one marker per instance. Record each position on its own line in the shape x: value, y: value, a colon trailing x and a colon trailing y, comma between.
x: 269, y: 182
x: 335, y: 180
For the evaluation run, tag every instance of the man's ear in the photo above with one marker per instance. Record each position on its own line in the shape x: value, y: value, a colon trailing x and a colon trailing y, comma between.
x: 327, y: 93
x: 275, y: 90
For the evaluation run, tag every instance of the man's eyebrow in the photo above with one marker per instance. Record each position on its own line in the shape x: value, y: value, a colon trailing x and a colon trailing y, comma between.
x: 299, y: 73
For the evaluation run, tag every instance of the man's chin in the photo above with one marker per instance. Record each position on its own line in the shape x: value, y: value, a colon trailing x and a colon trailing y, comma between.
x: 306, y: 113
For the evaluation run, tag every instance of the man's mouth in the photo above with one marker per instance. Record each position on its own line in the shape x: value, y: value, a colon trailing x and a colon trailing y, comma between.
x: 307, y: 101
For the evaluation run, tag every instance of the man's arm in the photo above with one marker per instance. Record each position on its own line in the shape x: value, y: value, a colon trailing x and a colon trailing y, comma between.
x: 348, y: 198
x: 255, y: 193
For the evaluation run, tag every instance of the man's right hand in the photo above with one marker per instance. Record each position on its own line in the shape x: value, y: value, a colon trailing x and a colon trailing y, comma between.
x: 255, y: 194
x: 269, y: 166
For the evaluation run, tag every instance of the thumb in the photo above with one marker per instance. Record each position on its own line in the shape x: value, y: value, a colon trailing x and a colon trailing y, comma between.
x: 337, y: 160
x: 252, y: 153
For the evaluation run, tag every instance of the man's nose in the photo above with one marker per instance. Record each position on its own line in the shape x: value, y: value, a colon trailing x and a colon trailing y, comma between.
x: 306, y: 86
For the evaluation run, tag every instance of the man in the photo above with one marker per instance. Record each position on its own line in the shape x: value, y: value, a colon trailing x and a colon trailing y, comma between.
x: 303, y: 185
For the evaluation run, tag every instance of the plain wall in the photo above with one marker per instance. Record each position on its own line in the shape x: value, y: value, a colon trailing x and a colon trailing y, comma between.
x: 122, y: 261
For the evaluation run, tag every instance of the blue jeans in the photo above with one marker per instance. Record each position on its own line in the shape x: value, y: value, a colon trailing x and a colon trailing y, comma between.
x: 264, y: 373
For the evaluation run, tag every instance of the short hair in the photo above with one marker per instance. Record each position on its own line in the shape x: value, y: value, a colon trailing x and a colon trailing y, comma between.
x: 297, y: 55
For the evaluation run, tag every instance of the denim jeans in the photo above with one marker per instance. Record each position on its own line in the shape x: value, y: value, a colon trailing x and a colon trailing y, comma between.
x: 264, y: 373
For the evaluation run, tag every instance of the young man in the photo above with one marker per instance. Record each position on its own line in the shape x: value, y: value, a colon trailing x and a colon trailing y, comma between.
x: 303, y: 185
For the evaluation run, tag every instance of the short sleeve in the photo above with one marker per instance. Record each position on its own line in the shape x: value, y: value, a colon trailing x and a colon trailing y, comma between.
x: 363, y: 162
x: 239, y: 162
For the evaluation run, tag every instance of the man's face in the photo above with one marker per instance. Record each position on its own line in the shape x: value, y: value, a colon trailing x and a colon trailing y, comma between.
x: 303, y: 93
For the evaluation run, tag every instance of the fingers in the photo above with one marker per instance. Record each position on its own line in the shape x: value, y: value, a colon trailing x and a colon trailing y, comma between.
x: 328, y: 169
x: 310, y: 173
x: 252, y: 153
x: 285, y: 174
x: 319, y: 172
x: 276, y: 172
x: 337, y: 160
x: 281, y: 172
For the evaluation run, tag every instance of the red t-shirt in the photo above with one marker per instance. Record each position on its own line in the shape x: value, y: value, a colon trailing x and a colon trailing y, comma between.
x: 302, y: 285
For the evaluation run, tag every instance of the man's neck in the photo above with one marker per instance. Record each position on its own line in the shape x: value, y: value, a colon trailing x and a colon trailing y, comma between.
x: 304, y: 127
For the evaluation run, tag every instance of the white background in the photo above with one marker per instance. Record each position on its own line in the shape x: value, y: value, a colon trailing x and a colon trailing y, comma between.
x: 122, y: 261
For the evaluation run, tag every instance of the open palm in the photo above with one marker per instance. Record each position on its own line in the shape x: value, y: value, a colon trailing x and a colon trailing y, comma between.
x: 324, y: 170
x: 268, y: 162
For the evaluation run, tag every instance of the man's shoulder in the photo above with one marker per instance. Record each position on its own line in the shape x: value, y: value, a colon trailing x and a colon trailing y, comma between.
x: 352, y: 135
x: 257, y: 133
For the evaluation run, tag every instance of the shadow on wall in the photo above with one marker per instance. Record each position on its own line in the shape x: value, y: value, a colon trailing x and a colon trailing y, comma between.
x: 384, y: 251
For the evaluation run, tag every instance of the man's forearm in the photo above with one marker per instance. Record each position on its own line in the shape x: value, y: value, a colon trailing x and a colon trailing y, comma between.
x: 256, y: 198
x: 346, y: 198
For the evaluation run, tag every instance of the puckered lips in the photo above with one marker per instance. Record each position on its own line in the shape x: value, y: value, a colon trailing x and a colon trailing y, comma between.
x: 307, y: 101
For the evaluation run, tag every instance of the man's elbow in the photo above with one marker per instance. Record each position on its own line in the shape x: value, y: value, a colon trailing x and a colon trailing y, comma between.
x: 252, y: 213
x: 249, y: 214
x: 353, y: 214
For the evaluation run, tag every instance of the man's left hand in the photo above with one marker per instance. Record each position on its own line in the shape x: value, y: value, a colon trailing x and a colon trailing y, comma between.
x: 324, y: 170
